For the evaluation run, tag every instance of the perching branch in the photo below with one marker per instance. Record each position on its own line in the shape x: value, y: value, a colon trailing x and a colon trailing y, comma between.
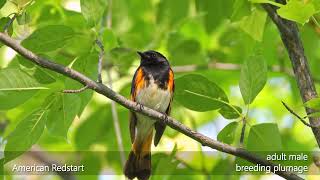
x: 290, y: 37
x: 171, y: 122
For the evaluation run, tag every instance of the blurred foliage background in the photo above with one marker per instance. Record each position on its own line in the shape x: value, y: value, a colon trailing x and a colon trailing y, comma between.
x: 217, y: 49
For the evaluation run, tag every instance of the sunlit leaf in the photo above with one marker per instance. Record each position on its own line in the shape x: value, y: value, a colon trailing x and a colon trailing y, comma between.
x: 297, y: 11
x: 230, y: 111
x: 165, y: 164
x: 16, y: 87
x: 109, y: 39
x: 198, y: 93
x: 48, y: 38
x: 313, y: 103
x: 2, y: 3
x: 169, y: 13
x: 96, y: 121
x: 2, y: 168
x: 23, y: 18
x: 227, y: 134
x: 86, y: 64
x: 215, y: 12
x: 315, y: 114
x: 264, y: 137
x: 4, y: 24
x: 253, y: 77
x: 62, y: 111
x: 92, y: 10
x: 254, y: 24
x: 27, y: 133
x: 241, y: 8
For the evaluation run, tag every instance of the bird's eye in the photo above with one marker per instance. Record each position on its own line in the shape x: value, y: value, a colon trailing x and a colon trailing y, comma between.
x: 153, y: 55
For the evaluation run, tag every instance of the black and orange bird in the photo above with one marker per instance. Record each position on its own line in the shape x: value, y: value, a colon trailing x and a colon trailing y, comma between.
x: 153, y: 87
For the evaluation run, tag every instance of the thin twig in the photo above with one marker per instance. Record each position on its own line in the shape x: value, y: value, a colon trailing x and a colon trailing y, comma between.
x: 76, y: 90
x: 133, y: 106
x: 297, y: 116
x: 101, y: 55
x: 243, y: 130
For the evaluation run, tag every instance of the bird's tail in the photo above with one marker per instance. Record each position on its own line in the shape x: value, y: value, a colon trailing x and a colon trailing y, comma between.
x: 139, y: 161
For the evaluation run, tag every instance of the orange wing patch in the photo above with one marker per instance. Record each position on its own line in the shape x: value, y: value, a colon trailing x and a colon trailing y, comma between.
x: 171, y: 81
x: 139, y: 83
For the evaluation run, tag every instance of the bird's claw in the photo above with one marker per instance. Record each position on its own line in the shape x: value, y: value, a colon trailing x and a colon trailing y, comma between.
x: 140, y: 106
x: 165, y: 117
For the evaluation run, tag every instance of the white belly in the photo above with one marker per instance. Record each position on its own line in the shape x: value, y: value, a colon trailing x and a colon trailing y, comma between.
x: 155, y: 98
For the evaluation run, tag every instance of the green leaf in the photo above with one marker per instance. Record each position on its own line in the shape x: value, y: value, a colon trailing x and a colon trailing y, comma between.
x: 63, y: 110
x: 16, y: 87
x: 241, y: 8
x: 267, y: 2
x: 169, y: 13
x: 122, y: 58
x: 109, y: 39
x: 316, y: 4
x: 91, y: 160
x: 27, y: 133
x: 23, y: 18
x: 313, y: 104
x: 165, y: 164
x: 184, y: 51
x: 230, y: 112
x: 17, y: 80
x: 297, y: 11
x: 3, y: 22
x: 48, y: 38
x: 92, y: 10
x: 264, y: 137
x: 215, y: 12
x: 254, y: 24
x: 315, y: 114
x: 97, y: 122
x: 2, y: 168
x: 86, y: 64
x: 20, y: 3
x: 198, y: 93
x: 253, y: 77
x: 2, y: 3
x: 227, y: 134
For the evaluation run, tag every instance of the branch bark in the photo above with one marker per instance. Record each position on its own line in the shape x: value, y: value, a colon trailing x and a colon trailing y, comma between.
x: 290, y: 37
x: 171, y: 122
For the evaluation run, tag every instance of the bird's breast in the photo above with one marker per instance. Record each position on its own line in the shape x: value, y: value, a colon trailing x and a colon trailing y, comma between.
x: 152, y: 96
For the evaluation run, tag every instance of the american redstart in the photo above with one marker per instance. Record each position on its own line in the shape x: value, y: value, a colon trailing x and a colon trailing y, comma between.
x: 152, y: 86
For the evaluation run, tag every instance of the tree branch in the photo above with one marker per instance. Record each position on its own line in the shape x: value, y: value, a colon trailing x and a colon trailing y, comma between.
x: 290, y: 37
x: 171, y: 122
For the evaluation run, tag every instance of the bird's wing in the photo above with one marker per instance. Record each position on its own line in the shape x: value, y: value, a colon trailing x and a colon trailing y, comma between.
x: 160, y: 127
x: 136, y: 85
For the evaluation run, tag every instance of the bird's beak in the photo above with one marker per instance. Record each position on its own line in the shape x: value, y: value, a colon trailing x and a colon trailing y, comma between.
x: 141, y: 54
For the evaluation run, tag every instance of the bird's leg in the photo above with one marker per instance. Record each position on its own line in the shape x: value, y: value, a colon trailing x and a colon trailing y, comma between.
x: 165, y: 116
x: 140, y: 106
